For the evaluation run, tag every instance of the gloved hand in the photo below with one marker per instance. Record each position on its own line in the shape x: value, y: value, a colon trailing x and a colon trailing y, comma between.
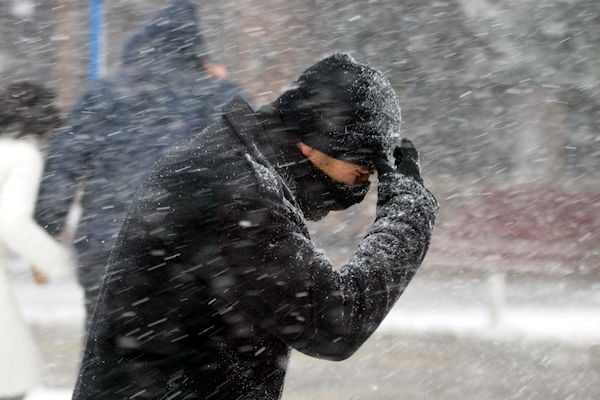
x: 406, y: 162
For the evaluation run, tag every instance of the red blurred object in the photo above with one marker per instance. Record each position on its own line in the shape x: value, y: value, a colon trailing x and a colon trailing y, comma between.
x: 534, y: 230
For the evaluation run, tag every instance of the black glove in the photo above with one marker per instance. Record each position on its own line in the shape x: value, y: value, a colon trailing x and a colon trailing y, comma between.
x: 407, y: 160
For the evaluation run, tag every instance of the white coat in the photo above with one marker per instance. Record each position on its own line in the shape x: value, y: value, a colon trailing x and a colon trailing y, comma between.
x: 21, y: 165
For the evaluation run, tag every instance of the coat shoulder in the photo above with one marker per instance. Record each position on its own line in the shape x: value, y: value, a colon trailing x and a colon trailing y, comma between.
x: 20, y: 153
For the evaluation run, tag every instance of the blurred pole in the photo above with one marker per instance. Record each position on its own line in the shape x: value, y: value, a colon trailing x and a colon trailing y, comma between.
x: 66, y: 62
x: 96, y: 40
x: 497, y: 287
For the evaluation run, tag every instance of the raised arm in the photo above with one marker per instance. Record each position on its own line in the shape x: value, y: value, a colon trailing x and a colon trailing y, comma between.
x: 271, y: 271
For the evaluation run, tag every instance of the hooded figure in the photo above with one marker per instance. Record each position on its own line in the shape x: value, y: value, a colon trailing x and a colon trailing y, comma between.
x: 120, y: 127
x: 214, y: 277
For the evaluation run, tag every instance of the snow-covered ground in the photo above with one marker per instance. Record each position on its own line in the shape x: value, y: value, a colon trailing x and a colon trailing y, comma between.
x: 420, y: 309
x: 565, y: 324
x: 49, y: 394
x: 546, y: 308
x: 561, y: 308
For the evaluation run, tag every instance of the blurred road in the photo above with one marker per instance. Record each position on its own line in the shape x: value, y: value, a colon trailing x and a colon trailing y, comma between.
x: 450, y: 337
x: 443, y: 366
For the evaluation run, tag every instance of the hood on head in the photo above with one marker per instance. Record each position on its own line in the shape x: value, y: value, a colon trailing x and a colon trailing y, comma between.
x: 345, y: 109
x: 171, y: 36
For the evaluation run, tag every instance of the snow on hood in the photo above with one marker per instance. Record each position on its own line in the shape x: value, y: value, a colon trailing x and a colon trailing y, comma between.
x: 171, y: 36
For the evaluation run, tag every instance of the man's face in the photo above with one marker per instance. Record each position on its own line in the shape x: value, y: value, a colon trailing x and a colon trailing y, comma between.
x: 338, y: 170
x: 328, y: 184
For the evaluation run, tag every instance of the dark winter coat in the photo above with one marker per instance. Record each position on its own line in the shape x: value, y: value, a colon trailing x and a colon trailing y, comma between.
x: 214, y: 277
x: 121, y: 126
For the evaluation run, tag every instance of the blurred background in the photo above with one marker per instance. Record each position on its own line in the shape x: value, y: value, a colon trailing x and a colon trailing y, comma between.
x: 502, y: 99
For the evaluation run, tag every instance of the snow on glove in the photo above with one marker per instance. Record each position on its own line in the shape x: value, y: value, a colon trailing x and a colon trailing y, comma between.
x: 407, y: 160
x: 406, y: 169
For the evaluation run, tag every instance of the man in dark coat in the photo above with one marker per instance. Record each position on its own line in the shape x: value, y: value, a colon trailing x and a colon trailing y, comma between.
x: 121, y: 126
x: 214, y: 277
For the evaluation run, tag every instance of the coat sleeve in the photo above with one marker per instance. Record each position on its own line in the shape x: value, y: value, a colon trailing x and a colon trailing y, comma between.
x: 69, y: 160
x: 18, y: 229
x: 274, y: 275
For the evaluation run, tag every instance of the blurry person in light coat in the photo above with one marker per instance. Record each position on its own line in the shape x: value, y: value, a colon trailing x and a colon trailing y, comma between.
x: 27, y: 114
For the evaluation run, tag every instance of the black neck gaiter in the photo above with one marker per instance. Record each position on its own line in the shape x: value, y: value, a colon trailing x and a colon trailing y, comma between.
x: 316, y: 193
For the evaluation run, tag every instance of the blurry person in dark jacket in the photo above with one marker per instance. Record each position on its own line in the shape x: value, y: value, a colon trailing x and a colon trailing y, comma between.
x: 214, y: 277
x: 166, y: 89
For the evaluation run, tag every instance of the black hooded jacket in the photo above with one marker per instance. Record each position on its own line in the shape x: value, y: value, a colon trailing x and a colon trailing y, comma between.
x: 120, y: 127
x: 214, y: 277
